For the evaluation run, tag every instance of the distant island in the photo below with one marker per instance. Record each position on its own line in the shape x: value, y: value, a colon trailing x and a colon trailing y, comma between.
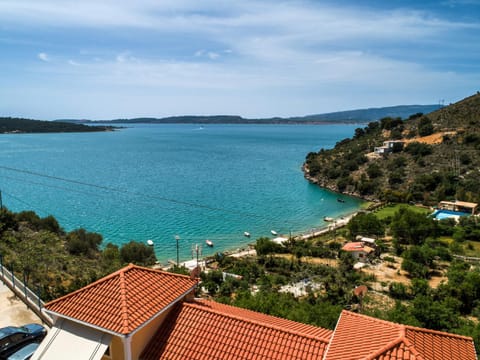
x: 350, y: 116
x: 10, y: 125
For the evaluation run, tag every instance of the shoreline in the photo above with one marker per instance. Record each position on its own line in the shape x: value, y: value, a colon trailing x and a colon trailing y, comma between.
x: 336, y: 223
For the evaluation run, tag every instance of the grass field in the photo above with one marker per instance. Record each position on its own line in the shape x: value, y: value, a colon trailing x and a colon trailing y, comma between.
x: 390, y: 210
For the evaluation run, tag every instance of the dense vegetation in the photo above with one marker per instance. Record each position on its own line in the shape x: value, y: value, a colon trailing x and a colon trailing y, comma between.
x: 438, y: 158
x: 424, y: 246
x: 55, y: 262
x: 18, y: 125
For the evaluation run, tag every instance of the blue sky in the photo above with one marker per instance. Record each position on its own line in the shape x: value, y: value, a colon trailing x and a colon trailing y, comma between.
x: 104, y: 59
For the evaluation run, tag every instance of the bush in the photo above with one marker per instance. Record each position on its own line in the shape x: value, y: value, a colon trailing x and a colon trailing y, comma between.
x: 81, y: 242
x: 137, y: 253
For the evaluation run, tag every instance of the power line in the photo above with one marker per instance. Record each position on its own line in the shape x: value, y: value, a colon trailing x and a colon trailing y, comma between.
x: 123, y: 191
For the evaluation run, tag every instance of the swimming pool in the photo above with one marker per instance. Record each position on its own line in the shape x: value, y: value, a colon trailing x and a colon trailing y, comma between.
x: 441, y: 214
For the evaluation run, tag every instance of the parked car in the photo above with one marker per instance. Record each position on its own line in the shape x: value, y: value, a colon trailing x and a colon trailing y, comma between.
x: 25, y: 352
x: 13, y: 337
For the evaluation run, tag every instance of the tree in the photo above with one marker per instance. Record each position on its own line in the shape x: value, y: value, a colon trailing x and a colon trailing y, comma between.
x: 425, y: 126
x: 82, y: 242
x: 410, y: 228
x: 365, y: 224
x: 137, y: 253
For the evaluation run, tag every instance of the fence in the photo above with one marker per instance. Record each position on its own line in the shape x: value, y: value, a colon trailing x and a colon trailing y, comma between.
x: 21, y: 290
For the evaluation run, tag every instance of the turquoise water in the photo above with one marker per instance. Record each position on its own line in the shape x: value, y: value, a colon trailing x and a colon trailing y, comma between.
x: 156, y: 181
x: 446, y: 214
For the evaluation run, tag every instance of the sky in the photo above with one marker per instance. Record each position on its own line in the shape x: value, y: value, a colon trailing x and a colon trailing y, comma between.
x: 106, y: 59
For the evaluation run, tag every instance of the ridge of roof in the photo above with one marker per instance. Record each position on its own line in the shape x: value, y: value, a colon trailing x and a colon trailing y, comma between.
x: 437, y: 332
x: 347, y: 339
x: 392, y: 344
x: 408, y: 342
x: 124, y: 305
x: 194, y: 330
x: 113, y: 275
x: 203, y: 305
x: 125, y: 300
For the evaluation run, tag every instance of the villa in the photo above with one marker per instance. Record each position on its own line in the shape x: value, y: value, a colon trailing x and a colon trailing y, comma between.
x: 459, y: 206
x: 147, y: 314
x: 359, y: 250
x: 387, y: 147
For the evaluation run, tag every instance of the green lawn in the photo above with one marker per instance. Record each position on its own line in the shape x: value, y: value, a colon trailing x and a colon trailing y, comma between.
x: 390, y: 210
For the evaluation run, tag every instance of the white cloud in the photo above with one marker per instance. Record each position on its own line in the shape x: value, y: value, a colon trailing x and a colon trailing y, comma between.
x: 43, y: 56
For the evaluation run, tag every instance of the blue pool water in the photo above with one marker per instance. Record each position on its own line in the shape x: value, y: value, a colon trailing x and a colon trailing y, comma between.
x: 155, y: 181
x: 445, y: 214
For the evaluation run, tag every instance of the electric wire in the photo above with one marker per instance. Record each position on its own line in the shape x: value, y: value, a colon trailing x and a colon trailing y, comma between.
x: 124, y: 191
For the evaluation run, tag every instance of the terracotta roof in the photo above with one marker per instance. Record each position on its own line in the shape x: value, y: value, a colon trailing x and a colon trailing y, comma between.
x: 356, y: 246
x: 363, y: 337
x: 124, y: 300
x: 209, y: 330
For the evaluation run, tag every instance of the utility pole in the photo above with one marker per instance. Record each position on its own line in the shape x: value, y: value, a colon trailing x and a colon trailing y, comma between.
x: 177, y: 238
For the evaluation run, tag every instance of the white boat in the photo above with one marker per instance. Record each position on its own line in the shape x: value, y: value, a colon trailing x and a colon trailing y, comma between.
x: 209, y: 242
x: 150, y: 242
x: 247, y: 234
x: 326, y: 218
x: 274, y: 232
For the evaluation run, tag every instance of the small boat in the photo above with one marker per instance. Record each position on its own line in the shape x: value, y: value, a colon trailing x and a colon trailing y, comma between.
x: 150, y: 242
x: 340, y: 200
x: 209, y: 243
x: 274, y: 232
x: 327, y: 218
x: 247, y: 234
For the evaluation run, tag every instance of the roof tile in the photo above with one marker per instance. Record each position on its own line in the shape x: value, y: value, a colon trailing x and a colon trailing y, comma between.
x: 362, y: 337
x: 217, y: 331
x: 124, y: 300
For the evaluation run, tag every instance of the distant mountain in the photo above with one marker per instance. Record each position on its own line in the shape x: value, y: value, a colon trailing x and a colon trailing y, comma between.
x: 372, y: 114
x: 350, y: 116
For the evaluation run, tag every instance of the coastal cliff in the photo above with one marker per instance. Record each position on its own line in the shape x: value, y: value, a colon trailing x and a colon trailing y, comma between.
x: 425, y: 158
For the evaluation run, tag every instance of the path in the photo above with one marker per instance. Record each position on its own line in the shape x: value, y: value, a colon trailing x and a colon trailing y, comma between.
x: 13, y: 311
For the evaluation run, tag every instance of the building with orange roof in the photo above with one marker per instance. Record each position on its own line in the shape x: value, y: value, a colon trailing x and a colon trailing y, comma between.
x: 359, y: 250
x: 146, y: 314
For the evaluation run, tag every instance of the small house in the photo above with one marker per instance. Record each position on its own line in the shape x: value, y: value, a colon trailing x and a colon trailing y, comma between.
x: 359, y: 250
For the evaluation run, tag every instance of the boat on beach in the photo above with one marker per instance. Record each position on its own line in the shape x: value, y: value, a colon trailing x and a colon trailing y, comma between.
x: 274, y: 232
x: 246, y: 233
x: 209, y: 243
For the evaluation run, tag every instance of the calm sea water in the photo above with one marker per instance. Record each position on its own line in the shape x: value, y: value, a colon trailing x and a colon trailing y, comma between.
x: 157, y: 181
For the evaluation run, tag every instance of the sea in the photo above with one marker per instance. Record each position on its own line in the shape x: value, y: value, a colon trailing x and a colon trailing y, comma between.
x: 175, y: 184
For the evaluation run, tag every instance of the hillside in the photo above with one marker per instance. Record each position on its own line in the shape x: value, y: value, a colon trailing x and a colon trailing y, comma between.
x: 18, y: 125
x: 435, y: 157
x: 350, y: 116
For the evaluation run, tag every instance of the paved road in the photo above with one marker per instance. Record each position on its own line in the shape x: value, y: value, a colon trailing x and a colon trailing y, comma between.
x: 13, y: 311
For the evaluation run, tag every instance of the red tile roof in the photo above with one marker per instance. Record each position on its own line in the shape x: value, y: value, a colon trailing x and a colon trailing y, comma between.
x: 356, y: 246
x: 124, y: 300
x: 209, y: 330
x: 362, y: 337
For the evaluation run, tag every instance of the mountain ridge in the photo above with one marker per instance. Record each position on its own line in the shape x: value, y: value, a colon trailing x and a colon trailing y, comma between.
x: 347, y: 116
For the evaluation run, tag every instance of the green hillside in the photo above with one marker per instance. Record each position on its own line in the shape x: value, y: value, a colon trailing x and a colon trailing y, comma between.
x: 18, y: 125
x: 437, y: 157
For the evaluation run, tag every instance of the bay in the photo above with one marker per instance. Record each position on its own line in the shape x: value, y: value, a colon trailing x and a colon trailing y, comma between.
x: 156, y: 181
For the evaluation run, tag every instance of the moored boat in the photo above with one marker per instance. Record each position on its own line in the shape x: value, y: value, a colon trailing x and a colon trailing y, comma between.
x: 209, y: 243
x: 246, y: 233
x: 150, y: 242
x: 274, y: 232
x: 327, y: 218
